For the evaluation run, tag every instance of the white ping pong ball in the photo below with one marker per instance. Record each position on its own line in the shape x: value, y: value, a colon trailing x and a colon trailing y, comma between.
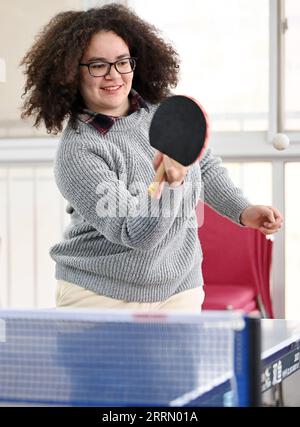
x: 280, y: 141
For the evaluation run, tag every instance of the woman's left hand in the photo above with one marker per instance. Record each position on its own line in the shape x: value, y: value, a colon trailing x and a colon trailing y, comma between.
x: 266, y: 219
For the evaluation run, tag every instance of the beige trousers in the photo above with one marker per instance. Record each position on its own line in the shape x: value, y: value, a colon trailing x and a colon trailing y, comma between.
x: 74, y: 296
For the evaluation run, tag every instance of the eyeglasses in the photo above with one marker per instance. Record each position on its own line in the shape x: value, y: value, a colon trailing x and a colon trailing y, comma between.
x: 102, y: 68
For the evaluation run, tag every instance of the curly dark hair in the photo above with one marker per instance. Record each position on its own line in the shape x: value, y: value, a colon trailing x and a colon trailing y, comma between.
x: 51, y: 89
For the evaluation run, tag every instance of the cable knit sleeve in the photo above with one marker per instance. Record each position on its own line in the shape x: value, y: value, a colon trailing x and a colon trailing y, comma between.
x: 219, y: 191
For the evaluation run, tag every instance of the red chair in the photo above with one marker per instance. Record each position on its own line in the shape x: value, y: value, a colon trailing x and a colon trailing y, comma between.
x: 236, y: 265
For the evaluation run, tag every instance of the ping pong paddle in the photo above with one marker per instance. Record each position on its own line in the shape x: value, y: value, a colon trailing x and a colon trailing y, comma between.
x: 178, y: 129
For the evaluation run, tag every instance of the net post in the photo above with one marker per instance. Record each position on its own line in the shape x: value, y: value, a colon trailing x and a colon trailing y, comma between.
x: 254, y: 361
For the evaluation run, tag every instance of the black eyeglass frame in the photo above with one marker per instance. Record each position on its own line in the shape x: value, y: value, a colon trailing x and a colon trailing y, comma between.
x: 132, y: 62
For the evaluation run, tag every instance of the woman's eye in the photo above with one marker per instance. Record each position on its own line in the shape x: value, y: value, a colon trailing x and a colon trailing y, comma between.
x: 98, y: 66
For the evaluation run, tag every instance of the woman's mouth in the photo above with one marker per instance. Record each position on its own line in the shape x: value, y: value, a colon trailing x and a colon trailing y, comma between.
x: 112, y: 89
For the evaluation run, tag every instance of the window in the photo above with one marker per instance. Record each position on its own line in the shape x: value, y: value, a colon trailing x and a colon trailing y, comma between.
x: 292, y: 66
x: 224, y: 51
x: 292, y: 253
x: 249, y: 176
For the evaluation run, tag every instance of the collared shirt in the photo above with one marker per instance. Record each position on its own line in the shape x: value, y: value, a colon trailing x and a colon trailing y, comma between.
x: 103, y: 123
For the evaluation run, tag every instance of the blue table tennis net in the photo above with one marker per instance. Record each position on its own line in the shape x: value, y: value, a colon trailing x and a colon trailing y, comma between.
x: 81, y: 358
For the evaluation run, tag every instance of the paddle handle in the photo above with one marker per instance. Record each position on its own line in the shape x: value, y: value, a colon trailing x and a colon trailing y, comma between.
x: 153, y: 187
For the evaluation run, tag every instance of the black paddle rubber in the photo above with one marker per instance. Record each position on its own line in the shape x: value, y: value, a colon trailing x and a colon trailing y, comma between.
x: 178, y: 129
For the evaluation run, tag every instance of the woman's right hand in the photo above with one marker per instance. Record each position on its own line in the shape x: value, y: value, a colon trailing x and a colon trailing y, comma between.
x: 174, y: 172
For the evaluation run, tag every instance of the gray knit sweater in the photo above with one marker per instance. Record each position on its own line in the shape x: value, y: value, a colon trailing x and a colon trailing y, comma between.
x: 121, y: 243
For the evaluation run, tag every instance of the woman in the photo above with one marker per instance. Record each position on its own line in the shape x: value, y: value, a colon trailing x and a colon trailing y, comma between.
x: 106, y: 70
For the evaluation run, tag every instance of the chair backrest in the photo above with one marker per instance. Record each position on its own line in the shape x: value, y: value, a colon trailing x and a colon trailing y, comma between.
x: 235, y: 256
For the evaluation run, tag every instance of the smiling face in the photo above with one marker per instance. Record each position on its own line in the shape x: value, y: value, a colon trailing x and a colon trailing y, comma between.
x: 109, y: 94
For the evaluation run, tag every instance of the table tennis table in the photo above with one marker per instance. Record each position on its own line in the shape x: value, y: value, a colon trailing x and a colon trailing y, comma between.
x: 280, y: 354
x: 119, y: 358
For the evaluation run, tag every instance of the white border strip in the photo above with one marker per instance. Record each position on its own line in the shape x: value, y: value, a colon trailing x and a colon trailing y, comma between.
x: 208, y: 319
x: 278, y: 347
